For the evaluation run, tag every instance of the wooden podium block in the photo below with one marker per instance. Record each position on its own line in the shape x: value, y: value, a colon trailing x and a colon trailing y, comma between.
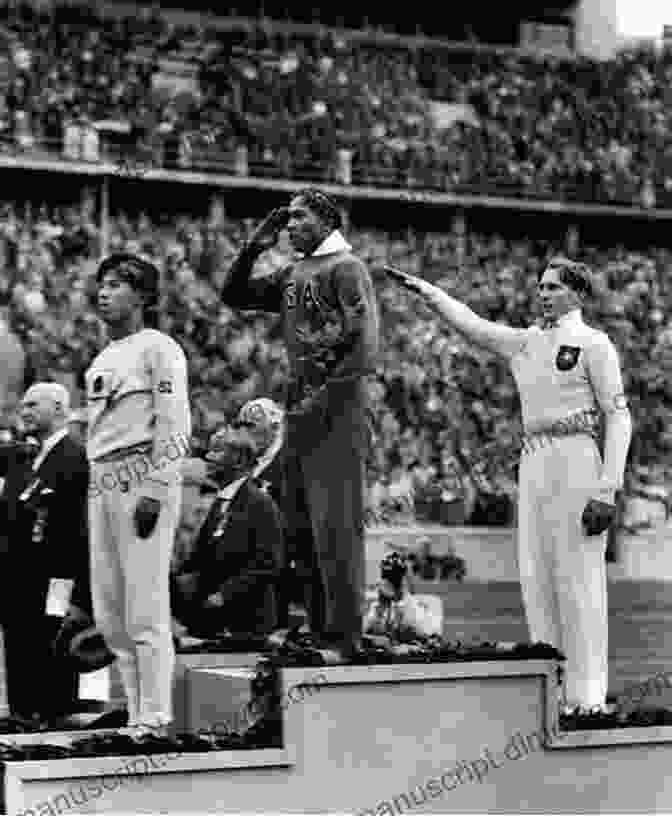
x: 219, y: 698
x: 194, y: 660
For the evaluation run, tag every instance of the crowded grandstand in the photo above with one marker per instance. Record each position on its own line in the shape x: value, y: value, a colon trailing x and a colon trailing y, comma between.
x: 255, y: 100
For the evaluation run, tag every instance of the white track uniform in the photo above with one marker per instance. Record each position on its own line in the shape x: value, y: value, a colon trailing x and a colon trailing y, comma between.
x: 566, y: 376
x: 139, y: 427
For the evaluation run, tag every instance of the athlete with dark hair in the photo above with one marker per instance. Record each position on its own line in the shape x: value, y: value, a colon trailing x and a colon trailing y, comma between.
x: 330, y: 320
x: 569, y: 380
x: 138, y: 413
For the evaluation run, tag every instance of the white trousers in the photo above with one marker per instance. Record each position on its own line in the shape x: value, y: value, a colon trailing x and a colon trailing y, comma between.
x: 130, y: 587
x: 563, y: 571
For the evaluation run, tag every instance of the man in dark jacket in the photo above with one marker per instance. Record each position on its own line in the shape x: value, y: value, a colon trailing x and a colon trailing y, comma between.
x: 330, y: 320
x: 45, y: 520
x: 229, y: 582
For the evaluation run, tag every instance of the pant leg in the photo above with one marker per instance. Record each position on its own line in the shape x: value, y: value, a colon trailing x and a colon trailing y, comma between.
x: 26, y: 647
x: 535, y: 554
x: 64, y: 680
x: 334, y: 481
x: 304, y: 582
x: 580, y: 572
x: 146, y: 569
x: 106, y: 531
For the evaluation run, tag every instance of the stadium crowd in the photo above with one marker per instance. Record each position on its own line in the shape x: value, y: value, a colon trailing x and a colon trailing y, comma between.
x: 445, y: 415
x: 258, y: 101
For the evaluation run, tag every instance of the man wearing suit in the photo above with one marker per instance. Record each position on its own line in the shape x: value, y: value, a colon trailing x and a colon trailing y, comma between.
x: 46, y: 548
x: 229, y: 581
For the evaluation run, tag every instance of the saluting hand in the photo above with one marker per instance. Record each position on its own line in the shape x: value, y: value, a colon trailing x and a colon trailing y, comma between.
x: 267, y: 233
x: 409, y: 282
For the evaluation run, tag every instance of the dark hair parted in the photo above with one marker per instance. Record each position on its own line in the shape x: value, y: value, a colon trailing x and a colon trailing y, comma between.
x: 323, y: 205
x: 573, y: 274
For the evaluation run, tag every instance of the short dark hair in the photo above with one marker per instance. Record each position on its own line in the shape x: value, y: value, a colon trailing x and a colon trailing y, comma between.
x: 574, y: 274
x: 139, y: 273
x: 323, y: 205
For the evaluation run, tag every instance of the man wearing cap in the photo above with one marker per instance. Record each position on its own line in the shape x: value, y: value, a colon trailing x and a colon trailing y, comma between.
x: 139, y: 425
x: 45, y: 503
x: 229, y: 581
x: 329, y: 315
x: 571, y: 392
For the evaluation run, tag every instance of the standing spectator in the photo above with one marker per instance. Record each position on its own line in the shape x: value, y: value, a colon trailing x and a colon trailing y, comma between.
x: 45, y: 510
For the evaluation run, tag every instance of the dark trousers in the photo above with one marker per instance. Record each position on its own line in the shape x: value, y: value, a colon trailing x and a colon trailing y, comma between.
x: 37, y: 681
x: 325, y: 483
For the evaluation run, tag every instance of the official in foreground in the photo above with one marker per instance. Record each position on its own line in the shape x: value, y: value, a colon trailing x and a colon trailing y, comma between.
x: 44, y: 498
x: 571, y: 391
x: 139, y: 426
x: 330, y: 321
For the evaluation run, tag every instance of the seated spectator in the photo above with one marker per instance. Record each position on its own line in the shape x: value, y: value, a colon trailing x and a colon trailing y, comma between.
x: 396, y: 614
x: 228, y: 584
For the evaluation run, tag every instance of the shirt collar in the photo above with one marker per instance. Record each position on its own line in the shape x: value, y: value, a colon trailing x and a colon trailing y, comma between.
x: 572, y: 318
x: 49, y: 443
x: 269, y: 456
x: 334, y: 242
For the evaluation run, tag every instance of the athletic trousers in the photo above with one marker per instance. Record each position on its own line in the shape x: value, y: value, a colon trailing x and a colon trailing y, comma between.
x: 325, y: 483
x: 130, y: 584
x: 562, y: 570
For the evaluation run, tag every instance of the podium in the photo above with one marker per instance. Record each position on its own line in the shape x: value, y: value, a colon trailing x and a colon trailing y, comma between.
x: 381, y: 740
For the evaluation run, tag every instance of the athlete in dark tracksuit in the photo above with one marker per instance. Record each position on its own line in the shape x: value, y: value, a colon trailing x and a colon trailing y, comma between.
x: 330, y: 320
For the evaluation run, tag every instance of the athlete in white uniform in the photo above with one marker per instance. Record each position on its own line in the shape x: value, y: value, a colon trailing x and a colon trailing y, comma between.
x: 570, y: 385
x: 138, y: 430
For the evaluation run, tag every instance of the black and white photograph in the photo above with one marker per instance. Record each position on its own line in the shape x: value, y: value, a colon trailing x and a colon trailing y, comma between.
x: 335, y: 407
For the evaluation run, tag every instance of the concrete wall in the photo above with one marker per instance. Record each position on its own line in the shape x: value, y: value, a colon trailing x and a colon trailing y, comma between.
x: 490, y: 553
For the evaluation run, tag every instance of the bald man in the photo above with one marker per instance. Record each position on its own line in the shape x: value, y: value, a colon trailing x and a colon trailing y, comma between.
x: 45, y: 500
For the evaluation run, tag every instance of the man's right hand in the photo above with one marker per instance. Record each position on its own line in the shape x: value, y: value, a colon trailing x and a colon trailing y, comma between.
x: 409, y: 282
x: 267, y: 233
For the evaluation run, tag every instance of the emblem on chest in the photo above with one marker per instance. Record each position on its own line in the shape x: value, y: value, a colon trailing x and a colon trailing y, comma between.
x: 567, y: 357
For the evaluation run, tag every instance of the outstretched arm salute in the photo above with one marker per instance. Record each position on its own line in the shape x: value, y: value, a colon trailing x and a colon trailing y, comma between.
x: 496, y: 337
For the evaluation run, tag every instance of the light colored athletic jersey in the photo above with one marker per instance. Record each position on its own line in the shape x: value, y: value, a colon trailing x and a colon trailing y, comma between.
x: 562, y: 372
x: 137, y: 393
x: 565, y: 371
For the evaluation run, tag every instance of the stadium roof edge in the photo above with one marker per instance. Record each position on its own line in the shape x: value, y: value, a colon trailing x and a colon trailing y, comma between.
x: 360, y: 192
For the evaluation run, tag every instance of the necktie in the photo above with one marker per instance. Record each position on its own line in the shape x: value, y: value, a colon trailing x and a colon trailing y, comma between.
x: 222, y: 516
x: 37, y: 455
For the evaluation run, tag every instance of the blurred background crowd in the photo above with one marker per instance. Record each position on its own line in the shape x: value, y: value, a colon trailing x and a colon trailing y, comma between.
x: 445, y: 415
x: 265, y: 100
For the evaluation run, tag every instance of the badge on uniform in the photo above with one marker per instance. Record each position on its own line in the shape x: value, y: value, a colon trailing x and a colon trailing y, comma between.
x: 290, y: 294
x: 568, y: 357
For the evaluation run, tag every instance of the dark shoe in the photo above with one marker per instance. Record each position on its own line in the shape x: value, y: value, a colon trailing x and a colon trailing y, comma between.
x: 118, y: 718
x: 18, y: 724
x: 295, y: 635
x: 104, y: 745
